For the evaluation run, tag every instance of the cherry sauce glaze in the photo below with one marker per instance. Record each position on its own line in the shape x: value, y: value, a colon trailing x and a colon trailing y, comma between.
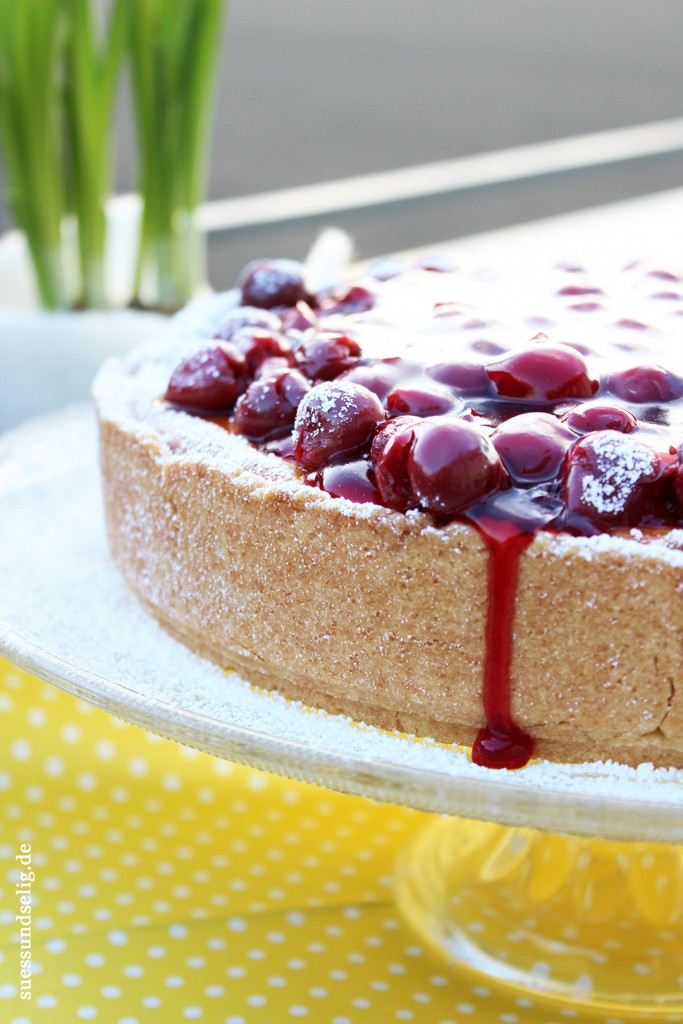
x: 395, y: 389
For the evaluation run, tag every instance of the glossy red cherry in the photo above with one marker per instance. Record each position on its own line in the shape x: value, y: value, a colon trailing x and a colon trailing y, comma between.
x: 268, y: 407
x: 532, y: 446
x: 386, y: 431
x: 543, y: 373
x: 609, y: 480
x: 380, y: 378
x: 468, y: 378
x: 335, y: 418
x: 419, y: 401
x: 441, y: 465
x: 326, y: 356
x: 243, y: 317
x: 210, y: 380
x: 351, y: 480
x: 642, y: 384
x: 600, y: 416
x: 258, y: 345
x: 390, y: 452
x: 452, y: 464
x: 270, y: 283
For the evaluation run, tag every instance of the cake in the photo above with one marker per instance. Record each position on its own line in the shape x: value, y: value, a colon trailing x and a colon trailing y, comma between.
x: 442, y: 502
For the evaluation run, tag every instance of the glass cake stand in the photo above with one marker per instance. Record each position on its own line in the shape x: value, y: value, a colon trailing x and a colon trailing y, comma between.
x: 563, y: 881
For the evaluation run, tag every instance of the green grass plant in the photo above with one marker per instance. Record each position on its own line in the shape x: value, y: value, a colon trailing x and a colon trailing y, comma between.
x: 60, y: 64
x: 173, y: 62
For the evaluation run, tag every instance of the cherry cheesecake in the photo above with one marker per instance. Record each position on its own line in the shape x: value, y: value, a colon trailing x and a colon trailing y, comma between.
x: 443, y: 502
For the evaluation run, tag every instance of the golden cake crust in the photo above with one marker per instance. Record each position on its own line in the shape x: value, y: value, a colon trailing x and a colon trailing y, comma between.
x: 379, y: 615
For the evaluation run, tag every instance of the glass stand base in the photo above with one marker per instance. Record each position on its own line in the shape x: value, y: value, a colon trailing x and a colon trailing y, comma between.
x: 585, y: 922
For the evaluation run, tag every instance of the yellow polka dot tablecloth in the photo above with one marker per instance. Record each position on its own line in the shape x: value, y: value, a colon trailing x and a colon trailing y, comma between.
x: 142, y: 881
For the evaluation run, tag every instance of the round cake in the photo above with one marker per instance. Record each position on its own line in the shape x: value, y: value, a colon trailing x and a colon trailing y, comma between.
x: 442, y: 502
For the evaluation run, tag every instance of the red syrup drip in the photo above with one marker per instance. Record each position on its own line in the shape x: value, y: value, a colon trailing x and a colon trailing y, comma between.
x: 501, y: 743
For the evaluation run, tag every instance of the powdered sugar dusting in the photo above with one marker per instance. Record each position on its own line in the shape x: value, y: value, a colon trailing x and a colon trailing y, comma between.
x: 620, y: 464
x: 61, y: 595
x: 333, y: 400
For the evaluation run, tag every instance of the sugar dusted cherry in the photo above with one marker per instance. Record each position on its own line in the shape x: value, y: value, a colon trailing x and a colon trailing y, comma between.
x: 642, y: 384
x: 532, y: 446
x: 610, y: 480
x: 247, y: 317
x: 334, y: 418
x: 583, y: 419
x: 269, y: 283
x: 326, y: 356
x: 210, y: 380
x: 542, y: 373
x: 267, y: 408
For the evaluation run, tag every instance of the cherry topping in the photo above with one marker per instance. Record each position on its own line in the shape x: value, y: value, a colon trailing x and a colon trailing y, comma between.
x: 663, y: 275
x: 417, y: 401
x: 209, y: 380
x: 299, y: 318
x: 390, y: 452
x: 502, y: 748
x: 452, y: 464
x: 577, y: 289
x: 440, y: 465
x: 646, y: 384
x: 600, y: 416
x: 545, y: 373
x: 258, y: 345
x: 356, y: 299
x: 325, y: 356
x: 269, y: 283
x: 532, y: 446
x: 247, y: 316
x: 469, y: 378
x: 335, y: 418
x: 268, y: 407
x: 351, y: 480
x: 586, y: 307
x: 609, y: 481
x: 386, y: 431
x: 379, y: 378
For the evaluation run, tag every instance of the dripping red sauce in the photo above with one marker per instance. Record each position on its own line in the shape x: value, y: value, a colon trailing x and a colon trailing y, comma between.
x: 524, y: 427
x: 501, y: 743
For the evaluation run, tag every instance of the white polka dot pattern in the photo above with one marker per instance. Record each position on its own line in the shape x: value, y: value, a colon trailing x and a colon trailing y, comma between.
x: 170, y: 885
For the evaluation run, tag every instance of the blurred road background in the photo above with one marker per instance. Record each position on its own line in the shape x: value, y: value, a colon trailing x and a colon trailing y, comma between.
x: 312, y: 90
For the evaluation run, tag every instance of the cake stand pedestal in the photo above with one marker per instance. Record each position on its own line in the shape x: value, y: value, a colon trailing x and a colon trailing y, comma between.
x: 591, y: 923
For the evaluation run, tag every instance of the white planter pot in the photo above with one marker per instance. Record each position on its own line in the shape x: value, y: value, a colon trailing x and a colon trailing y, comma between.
x: 48, y: 359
